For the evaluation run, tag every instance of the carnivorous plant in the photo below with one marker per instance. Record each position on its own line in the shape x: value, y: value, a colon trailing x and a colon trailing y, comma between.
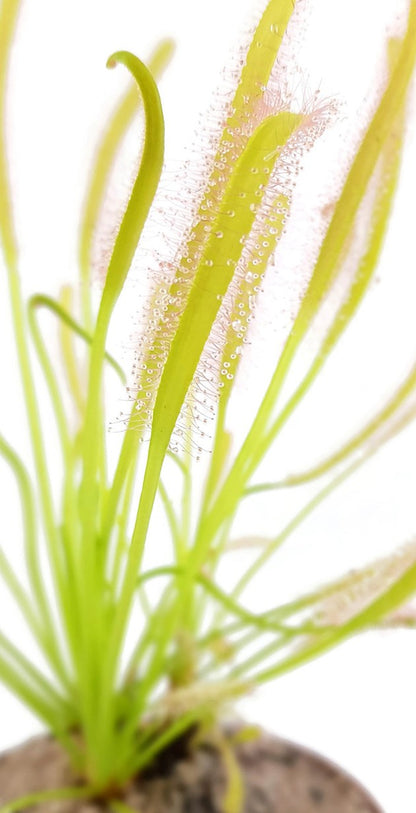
x: 131, y: 657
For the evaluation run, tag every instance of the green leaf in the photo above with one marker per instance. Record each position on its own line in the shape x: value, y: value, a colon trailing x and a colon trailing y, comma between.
x: 386, y: 176
x: 146, y: 183
x: 341, y: 228
x: 216, y: 268
x: 105, y: 156
x: 244, y: 116
x: 125, y: 245
x: 390, y: 599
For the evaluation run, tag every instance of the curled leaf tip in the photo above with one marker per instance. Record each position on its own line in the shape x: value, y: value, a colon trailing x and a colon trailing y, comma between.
x: 124, y: 57
x: 118, y: 56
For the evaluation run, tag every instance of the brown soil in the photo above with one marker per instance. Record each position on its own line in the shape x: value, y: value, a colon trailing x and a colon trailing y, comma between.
x: 279, y: 777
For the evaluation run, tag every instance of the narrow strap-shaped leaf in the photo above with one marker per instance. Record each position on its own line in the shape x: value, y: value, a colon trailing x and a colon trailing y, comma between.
x: 106, y: 153
x: 356, y: 582
x: 267, y: 232
x: 268, y: 238
x: 328, y: 264
x: 392, y: 598
x: 263, y: 51
x: 359, y: 585
x: 255, y: 75
x: 363, y: 586
x: 335, y: 604
x: 216, y: 267
x: 146, y: 182
x: 244, y: 115
x: 388, y: 171
x: 125, y: 245
x: 388, y: 112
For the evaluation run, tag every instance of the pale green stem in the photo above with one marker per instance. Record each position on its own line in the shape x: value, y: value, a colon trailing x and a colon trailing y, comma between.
x: 8, y: 19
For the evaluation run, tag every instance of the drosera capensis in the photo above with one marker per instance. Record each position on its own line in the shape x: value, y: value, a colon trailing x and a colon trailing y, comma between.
x: 112, y: 699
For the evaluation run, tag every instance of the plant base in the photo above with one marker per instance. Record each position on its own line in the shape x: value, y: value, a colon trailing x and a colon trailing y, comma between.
x: 279, y: 777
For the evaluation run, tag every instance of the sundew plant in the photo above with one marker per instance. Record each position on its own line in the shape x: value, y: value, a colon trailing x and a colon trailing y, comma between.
x: 131, y: 658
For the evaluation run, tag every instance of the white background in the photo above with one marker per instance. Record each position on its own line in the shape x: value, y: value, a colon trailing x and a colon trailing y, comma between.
x: 357, y: 704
